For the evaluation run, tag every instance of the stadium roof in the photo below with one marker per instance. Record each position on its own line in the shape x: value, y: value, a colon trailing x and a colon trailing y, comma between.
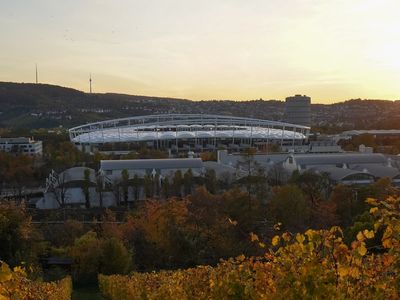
x: 184, y: 126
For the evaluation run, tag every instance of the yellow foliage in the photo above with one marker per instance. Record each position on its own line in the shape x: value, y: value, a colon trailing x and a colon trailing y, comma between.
x: 15, y: 285
x: 314, y: 265
x: 275, y: 240
x: 253, y: 237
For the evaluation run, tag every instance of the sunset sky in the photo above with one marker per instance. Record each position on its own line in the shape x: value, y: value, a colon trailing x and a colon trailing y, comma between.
x: 331, y: 50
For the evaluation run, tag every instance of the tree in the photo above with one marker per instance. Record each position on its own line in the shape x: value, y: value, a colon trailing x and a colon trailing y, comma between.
x: 188, y: 181
x: 100, y: 187
x: 148, y: 186
x: 115, y: 258
x: 254, y: 179
x: 16, y: 234
x: 58, y: 187
x: 210, y: 179
x: 277, y: 175
x: 125, y: 185
x: 86, y: 252
x: 346, y: 202
x: 288, y: 206
x: 86, y: 186
x: 136, y: 187
x: 165, y: 187
x: 116, y: 189
x: 315, y: 186
x: 177, y: 183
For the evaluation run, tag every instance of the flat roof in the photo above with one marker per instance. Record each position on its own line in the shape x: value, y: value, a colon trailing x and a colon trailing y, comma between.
x: 166, y: 163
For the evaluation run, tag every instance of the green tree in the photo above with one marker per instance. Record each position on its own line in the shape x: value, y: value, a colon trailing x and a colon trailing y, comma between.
x: 86, y: 252
x: 165, y: 187
x: 288, y: 206
x: 148, y: 186
x: 210, y: 179
x: 115, y: 258
x: 188, y: 181
x: 136, y: 187
x: 86, y: 187
x: 125, y: 185
x: 100, y: 187
x: 177, y: 183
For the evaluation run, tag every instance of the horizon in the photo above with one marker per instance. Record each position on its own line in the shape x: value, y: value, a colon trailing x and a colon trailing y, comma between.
x: 330, y: 51
x: 194, y: 100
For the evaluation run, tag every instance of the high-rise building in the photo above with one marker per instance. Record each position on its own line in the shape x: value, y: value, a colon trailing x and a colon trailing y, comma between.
x: 298, y: 110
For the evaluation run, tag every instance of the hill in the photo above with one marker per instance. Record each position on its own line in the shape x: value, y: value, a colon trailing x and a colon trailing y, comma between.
x: 26, y: 105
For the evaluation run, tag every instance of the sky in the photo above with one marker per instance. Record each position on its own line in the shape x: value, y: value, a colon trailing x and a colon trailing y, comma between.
x: 330, y: 50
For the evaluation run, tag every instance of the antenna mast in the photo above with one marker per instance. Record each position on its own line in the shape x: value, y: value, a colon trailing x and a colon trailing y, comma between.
x: 36, y: 74
x: 90, y: 82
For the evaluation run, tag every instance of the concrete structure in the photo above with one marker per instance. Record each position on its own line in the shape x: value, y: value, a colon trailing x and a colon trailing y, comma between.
x: 298, y: 110
x: 21, y: 145
x: 315, y: 147
x: 345, y: 168
x: 112, y: 169
x: 188, y: 132
x: 67, y: 187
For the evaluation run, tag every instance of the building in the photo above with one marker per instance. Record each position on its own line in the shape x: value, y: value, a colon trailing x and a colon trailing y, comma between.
x: 112, y: 169
x: 298, y: 110
x: 106, y: 187
x: 21, y: 145
x: 186, y: 132
x: 345, y: 168
x: 66, y: 188
x: 384, y: 135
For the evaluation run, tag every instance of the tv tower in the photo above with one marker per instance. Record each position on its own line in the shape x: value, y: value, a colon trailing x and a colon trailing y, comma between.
x: 90, y: 82
x: 36, y: 74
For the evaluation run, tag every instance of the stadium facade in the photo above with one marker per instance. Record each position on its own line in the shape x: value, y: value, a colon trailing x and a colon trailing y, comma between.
x: 186, y: 132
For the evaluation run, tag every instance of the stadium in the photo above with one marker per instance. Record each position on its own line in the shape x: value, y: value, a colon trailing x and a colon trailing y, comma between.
x: 186, y: 132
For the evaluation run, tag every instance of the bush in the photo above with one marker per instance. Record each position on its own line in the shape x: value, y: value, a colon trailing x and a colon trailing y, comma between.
x: 315, y: 265
x: 15, y: 285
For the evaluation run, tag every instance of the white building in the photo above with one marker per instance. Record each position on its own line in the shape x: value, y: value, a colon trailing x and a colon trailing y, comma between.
x: 187, y: 132
x: 112, y: 169
x: 345, y: 168
x: 21, y: 145
x: 67, y: 187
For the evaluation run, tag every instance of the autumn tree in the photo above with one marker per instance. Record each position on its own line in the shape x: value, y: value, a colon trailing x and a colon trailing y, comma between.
x: 17, y: 234
x: 289, y: 206
x: 347, y: 203
x: 315, y: 186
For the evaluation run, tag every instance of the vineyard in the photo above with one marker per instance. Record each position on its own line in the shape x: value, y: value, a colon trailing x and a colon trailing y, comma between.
x: 15, y: 285
x: 315, y: 265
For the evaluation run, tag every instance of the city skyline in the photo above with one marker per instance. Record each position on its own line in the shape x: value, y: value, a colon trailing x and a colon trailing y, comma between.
x: 331, y: 51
